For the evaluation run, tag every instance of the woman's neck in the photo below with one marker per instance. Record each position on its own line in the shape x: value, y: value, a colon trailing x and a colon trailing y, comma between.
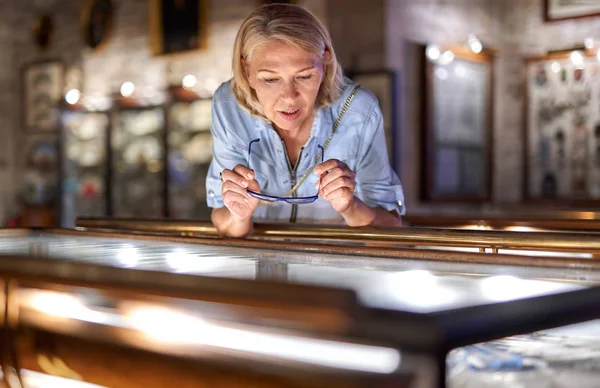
x: 295, y: 140
x: 299, y: 136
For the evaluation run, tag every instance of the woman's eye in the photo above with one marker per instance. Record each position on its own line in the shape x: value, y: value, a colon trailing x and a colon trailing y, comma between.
x: 305, y: 77
x: 270, y: 80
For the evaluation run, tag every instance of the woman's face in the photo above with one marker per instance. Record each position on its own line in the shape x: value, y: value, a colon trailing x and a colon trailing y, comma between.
x: 286, y: 80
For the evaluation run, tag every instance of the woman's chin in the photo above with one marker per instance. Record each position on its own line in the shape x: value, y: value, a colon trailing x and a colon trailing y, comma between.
x: 286, y: 125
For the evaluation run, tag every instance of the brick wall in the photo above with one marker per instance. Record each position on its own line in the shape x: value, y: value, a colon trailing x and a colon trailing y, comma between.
x: 516, y: 29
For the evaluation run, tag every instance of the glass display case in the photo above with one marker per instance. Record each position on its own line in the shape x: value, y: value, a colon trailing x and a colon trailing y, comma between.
x: 189, y: 154
x: 285, y: 310
x: 84, y: 165
x: 137, y: 160
x: 138, y: 151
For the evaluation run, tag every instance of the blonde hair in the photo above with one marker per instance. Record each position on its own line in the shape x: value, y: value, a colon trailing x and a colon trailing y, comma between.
x: 290, y: 24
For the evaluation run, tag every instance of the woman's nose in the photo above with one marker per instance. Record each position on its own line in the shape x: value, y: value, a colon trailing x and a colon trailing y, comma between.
x: 289, y: 90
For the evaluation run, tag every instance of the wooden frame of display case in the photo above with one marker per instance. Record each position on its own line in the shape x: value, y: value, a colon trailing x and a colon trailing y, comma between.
x: 483, y: 240
x: 332, y: 313
x: 428, y: 143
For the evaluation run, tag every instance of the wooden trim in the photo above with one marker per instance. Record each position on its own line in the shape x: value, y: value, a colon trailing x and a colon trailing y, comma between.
x: 561, y: 54
x: 547, y: 19
x: 165, y: 168
x: 387, y: 236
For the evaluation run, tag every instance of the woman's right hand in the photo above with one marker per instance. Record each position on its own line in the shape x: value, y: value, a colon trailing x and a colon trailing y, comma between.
x: 234, y: 194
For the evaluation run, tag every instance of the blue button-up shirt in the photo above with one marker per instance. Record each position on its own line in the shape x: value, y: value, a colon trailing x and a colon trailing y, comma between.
x: 359, y: 142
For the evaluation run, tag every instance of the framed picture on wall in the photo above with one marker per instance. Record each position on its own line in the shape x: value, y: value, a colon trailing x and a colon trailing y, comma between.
x: 382, y: 83
x: 178, y: 26
x: 562, y: 140
x: 42, y: 93
x: 97, y: 22
x: 570, y: 9
x: 457, y: 129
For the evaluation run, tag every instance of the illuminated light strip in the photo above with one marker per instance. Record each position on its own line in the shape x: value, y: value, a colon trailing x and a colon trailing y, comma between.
x: 174, y: 327
x: 545, y: 253
x: 183, y: 329
x: 33, y: 379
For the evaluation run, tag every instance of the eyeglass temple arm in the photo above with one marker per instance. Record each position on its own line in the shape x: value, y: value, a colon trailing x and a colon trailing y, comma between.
x: 322, y: 153
x: 250, y: 149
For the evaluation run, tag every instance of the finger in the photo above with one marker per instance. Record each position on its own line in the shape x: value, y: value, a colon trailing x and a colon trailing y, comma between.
x: 328, y: 165
x: 231, y: 197
x: 254, y: 186
x: 334, y: 174
x: 233, y: 187
x: 244, y: 171
x: 341, y: 192
x: 232, y: 176
x: 338, y: 183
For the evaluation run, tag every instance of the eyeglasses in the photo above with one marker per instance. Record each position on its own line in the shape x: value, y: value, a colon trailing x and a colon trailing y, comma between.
x: 274, y: 198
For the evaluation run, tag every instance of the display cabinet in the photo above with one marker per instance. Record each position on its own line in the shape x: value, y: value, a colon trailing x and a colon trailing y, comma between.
x: 84, y: 164
x: 189, y: 154
x: 138, y: 154
x: 292, y: 317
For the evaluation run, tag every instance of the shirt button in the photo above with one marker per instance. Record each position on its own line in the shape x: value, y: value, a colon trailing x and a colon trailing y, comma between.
x: 279, y: 151
x: 286, y: 181
x: 399, y: 203
x: 211, y: 193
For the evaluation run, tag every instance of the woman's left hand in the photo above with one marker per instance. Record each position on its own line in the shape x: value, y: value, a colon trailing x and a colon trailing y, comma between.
x: 336, y: 184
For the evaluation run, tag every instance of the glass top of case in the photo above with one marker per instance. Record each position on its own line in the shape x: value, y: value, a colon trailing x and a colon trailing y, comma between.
x: 393, y: 284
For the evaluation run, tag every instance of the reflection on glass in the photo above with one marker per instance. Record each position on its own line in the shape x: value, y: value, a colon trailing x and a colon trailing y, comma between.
x: 564, y: 357
x: 188, y: 328
x: 137, y: 181
x: 182, y: 328
x: 423, y: 292
x: 460, y: 126
x: 190, y: 153
x: 207, y: 264
x: 84, y: 192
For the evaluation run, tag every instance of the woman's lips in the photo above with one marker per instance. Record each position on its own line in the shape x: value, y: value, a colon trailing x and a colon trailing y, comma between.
x: 290, y: 115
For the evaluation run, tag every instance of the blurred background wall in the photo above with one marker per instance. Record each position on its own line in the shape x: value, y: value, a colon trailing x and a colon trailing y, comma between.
x: 368, y: 35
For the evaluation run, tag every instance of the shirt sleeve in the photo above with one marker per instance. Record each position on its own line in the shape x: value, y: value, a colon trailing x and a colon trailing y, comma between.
x: 227, y: 152
x: 377, y: 185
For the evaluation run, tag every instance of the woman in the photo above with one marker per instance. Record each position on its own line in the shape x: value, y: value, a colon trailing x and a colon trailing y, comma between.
x: 278, y: 154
